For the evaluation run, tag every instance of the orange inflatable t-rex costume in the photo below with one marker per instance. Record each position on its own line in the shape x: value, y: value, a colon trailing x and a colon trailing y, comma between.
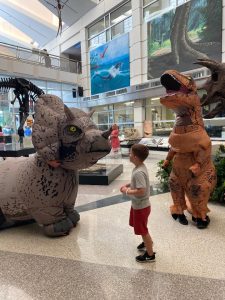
x: 193, y: 173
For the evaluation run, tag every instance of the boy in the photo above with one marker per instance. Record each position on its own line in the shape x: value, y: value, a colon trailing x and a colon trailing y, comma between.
x: 139, y: 191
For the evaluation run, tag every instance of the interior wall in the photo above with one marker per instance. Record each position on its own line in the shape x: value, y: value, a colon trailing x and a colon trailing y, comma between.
x: 138, y: 41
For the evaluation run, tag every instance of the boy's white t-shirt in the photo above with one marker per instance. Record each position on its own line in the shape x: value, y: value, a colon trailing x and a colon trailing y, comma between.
x: 140, y: 179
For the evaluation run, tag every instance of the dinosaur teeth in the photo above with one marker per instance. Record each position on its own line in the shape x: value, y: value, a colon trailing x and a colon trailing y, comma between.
x: 170, y: 94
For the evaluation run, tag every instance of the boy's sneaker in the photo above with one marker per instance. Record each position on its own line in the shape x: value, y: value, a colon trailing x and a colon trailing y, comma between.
x: 141, y: 247
x: 145, y: 258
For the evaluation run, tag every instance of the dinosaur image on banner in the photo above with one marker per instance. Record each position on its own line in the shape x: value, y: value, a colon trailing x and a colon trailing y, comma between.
x: 110, y: 65
x: 181, y: 35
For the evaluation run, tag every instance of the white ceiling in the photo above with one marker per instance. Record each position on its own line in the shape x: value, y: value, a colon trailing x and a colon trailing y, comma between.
x: 33, y: 23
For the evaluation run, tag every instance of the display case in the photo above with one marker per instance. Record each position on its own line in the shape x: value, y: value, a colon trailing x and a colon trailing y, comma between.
x: 15, y: 150
x: 100, y: 174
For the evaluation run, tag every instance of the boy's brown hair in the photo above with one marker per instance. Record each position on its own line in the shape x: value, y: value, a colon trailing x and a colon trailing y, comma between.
x: 141, y: 151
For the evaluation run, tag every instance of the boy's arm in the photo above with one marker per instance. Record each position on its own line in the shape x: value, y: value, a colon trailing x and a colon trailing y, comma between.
x: 135, y: 192
x: 124, y: 188
x: 140, y: 185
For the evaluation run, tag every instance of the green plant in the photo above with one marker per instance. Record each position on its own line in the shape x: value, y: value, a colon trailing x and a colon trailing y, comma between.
x: 163, y: 175
x: 219, y: 162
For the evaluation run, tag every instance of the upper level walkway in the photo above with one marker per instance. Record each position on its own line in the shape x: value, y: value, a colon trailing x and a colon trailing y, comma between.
x: 37, y: 63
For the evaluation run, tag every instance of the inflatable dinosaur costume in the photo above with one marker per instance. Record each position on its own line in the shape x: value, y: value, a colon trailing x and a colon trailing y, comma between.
x: 193, y: 173
x: 31, y: 188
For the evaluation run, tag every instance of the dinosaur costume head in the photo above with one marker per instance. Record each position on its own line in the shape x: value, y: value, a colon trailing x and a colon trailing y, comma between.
x: 214, y: 86
x: 176, y: 83
x: 67, y: 135
x: 182, y: 98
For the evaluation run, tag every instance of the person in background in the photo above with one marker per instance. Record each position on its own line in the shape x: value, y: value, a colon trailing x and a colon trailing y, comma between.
x: 1, y: 139
x: 47, y: 59
x: 114, y: 139
x: 139, y: 192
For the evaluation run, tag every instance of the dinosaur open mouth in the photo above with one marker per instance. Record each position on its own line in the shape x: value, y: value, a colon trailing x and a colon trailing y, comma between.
x: 171, y: 84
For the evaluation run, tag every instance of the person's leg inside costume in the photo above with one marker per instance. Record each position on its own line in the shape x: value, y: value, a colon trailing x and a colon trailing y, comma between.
x: 178, y: 195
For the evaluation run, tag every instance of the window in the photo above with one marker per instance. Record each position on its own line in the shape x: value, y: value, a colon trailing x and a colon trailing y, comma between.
x: 179, y: 2
x: 151, y: 7
x: 96, y: 28
x: 146, y: 2
x: 111, y: 25
x: 173, y: 3
x: 117, y: 30
x: 9, y: 114
x: 162, y: 118
x: 121, y: 13
x: 107, y: 21
x: 121, y: 113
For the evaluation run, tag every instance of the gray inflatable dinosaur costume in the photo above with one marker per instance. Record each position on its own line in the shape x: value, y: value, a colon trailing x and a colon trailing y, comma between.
x: 31, y: 188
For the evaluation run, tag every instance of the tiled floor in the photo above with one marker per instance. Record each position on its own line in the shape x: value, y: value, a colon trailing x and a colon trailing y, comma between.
x: 96, y: 261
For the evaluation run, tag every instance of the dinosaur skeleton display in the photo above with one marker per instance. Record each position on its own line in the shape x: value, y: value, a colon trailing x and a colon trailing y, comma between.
x: 214, y: 86
x: 59, y: 7
x: 24, y: 91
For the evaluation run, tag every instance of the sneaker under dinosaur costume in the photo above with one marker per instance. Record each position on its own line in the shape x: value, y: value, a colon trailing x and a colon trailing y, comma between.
x: 31, y: 188
x: 193, y: 173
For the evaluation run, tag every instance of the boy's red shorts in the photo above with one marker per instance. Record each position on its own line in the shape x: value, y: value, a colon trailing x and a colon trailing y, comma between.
x: 139, y: 220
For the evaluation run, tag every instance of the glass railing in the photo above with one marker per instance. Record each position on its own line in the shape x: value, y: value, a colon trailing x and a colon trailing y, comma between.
x: 40, y: 57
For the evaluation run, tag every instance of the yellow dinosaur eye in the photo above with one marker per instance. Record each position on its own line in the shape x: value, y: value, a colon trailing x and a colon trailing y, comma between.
x: 72, y: 129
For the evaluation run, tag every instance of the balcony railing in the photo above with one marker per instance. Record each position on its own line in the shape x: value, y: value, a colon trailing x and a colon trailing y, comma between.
x: 40, y: 57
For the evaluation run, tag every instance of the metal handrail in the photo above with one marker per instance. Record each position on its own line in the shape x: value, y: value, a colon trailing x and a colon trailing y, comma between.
x: 40, y: 57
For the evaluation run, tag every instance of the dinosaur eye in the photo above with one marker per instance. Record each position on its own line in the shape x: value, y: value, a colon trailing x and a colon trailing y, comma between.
x: 73, y: 130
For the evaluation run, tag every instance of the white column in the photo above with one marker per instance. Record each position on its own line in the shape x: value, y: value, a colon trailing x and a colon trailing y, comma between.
x: 85, y: 77
x: 223, y: 32
x: 139, y: 116
x: 138, y: 37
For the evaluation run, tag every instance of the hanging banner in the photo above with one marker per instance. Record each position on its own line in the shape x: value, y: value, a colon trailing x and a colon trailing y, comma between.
x: 110, y: 65
x: 179, y: 36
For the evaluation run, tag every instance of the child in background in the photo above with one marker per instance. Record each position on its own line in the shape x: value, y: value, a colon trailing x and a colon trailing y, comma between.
x: 114, y: 138
x: 139, y: 191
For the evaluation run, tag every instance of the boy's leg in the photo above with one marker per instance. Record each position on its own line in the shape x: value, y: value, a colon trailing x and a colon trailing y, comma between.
x: 149, y: 255
x: 141, y: 228
x: 148, y: 243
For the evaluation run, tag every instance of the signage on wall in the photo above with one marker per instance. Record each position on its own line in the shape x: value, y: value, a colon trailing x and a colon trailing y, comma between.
x: 178, y: 37
x: 110, y: 65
